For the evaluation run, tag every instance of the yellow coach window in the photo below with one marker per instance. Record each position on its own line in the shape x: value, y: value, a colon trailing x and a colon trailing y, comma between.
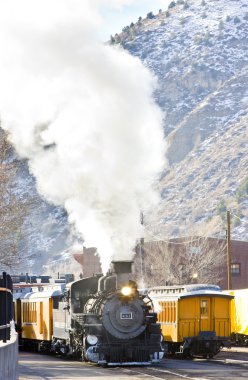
x: 204, y: 307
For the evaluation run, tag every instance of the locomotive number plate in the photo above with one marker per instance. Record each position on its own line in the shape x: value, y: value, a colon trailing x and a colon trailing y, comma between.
x: 126, y: 316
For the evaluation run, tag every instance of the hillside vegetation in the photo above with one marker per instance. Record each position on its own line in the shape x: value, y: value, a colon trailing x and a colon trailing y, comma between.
x: 198, y: 51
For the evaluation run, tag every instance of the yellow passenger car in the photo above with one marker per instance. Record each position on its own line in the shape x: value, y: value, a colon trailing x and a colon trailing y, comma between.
x: 239, y: 316
x: 33, y: 317
x: 195, y: 319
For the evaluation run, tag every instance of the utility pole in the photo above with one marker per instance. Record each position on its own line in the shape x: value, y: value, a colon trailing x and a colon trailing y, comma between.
x: 228, y: 251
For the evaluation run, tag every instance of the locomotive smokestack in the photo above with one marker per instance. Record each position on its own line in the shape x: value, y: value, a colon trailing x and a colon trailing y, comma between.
x: 122, y: 269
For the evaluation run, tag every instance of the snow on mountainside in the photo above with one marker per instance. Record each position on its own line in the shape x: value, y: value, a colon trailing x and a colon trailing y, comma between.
x: 199, y: 51
x: 45, y: 231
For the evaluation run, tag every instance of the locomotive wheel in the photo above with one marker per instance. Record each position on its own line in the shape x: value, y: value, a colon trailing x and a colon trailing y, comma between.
x: 187, y: 354
x: 208, y: 356
x: 84, y: 356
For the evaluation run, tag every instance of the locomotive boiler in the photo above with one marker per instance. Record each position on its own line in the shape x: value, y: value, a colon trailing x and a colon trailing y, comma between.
x: 107, y: 321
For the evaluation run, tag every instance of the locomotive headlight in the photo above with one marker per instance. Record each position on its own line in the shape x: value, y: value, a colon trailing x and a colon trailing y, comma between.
x: 92, y: 339
x: 126, y: 291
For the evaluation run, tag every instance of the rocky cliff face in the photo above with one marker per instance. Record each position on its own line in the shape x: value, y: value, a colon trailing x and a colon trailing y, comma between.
x: 198, y: 51
x: 45, y: 232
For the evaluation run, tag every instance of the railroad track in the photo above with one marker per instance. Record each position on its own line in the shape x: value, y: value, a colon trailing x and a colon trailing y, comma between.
x: 198, y: 369
x: 37, y: 367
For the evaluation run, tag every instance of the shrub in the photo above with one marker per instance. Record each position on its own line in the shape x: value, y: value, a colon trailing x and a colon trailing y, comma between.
x: 125, y: 29
x: 150, y: 15
x: 117, y: 38
x: 236, y: 20
x: 172, y: 4
x: 209, y: 218
x: 221, y: 208
x: 228, y: 18
x: 186, y: 5
x: 203, y: 39
x: 203, y: 2
x: 167, y: 14
x: 182, y: 20
x: 242, y: 191
x: 236, y: 220
x: 221, y: 25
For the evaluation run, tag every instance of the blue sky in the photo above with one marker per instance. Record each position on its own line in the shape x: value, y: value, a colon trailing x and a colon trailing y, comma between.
x: 114, y: 19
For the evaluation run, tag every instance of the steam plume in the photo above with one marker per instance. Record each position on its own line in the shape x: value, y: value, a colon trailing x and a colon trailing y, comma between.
x: 82, y: 113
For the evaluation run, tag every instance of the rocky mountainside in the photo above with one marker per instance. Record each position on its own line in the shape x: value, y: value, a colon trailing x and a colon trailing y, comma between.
x: 45, y: 232
x: 198, y: 49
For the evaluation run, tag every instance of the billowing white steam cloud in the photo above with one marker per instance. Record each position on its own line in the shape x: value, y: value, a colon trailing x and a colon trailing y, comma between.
x: 82, y: 113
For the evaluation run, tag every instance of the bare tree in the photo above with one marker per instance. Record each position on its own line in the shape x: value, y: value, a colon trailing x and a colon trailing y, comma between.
x: 13, y: 209
x: 180, y: 261
x: 150, y: 263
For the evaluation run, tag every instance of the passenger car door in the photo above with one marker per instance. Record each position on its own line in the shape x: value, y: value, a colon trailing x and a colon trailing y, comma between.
x: 205, y: 312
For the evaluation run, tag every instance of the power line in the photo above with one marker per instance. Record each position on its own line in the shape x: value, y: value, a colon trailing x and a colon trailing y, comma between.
x: 183, y: 242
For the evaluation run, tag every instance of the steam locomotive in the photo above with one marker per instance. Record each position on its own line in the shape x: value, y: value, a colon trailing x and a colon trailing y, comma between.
x: 103, y: 319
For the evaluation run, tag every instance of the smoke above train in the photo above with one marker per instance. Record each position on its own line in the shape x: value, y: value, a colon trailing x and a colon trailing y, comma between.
x: 83, y: 114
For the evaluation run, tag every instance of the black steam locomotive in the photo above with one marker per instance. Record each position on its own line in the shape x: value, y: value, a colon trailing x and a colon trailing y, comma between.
x: 103, y: 319
x: 107, y: 321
